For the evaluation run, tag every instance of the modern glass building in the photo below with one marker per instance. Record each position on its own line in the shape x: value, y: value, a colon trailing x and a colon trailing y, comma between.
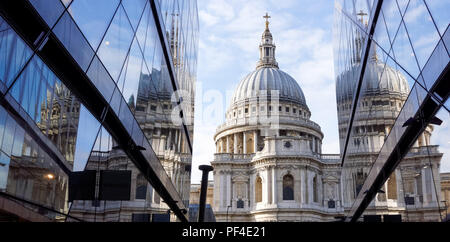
x: 392, y: 87
x: 96, y: 114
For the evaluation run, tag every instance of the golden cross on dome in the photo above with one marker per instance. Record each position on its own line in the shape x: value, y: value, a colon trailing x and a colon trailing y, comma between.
x: 362, y: 14
x: 267, y: 20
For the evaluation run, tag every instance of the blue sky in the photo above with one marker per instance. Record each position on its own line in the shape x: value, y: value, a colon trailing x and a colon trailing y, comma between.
x: 230, y: 32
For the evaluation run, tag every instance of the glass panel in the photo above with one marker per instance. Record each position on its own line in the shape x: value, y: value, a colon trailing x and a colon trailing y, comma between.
x: 101, y: 78
x: 8, y: 135
x: 66, y: 2
x: 50, y: 10
x: 29, y: 173
x: 3, y: 116
x: 134, y: 10
x: 14, y: 53
x: 126, y: 116
x: 87, y: 133
x: 93, y: 18
x: 439, y: 12
x: 403, y: 53
x: 421, y: 30
x: 50, y: 104
x: 4, y: 168
x: 74, y: 41
x: 387, y: 25
x: 435, y: 65
x: 402, y: 4
x: 116, y: 44
x: 106, y: 156
x: 133, y: 74
x: 147, y: 36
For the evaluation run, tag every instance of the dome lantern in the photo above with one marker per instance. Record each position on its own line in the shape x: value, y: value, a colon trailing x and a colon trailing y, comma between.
x: 267, y: 48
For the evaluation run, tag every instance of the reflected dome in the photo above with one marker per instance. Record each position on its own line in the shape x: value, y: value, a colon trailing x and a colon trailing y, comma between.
x: 378, y: 79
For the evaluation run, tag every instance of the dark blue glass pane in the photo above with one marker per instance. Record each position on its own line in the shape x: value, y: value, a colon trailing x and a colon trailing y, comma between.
x: 4, y: 168
x: 50, y: 10
x: 8, y: 136
x: 101, y: 79
x: 72, y: 38
x: 14, y: 53
x: 87, y: 133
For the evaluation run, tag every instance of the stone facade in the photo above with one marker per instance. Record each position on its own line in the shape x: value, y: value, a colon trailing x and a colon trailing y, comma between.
x: 269, y: 164
x: 445, y: 195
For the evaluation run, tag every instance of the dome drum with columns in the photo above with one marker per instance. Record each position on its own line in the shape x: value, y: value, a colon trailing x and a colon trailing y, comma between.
x: 275, y: 170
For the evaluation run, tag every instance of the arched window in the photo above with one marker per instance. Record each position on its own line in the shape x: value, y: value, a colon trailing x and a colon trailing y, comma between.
x: 359, y: 179
x: 250, y: 146
x: 392, y: 187
x: 258, y: 190
x: 315, y: 192
x: 141, y: 187
x: 288, y: 187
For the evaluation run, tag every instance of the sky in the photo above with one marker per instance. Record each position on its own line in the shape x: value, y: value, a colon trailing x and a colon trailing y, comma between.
x: 230, y: 33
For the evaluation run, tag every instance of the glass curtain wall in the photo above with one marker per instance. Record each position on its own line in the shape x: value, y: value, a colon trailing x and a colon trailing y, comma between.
x: 403, y: 60
x: 116, y: 43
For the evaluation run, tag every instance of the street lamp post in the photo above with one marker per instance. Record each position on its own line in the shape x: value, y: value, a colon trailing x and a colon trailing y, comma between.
x: 203, y: 190
x: 229, y: 206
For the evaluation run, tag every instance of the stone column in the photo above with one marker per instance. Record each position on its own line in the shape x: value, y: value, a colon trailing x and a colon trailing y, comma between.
x: 302, y: 186
x: 399, y: 183
x: 222, y: 189
x: 228, y: 188
x: 269, y: 184
x: 162, y: 144
x: 235, y: 143
x: 424, y: 187
x: 175, y: 139
x: 169, y: 140
x: 244, y: 141
x: 433, y: 191
x: 310, y: 176
x: 228, y: 144
x: 319, y: 189
x: 252, y: 190
x: 179, y: 141
x: 274, y: 186
x: 255, y: 141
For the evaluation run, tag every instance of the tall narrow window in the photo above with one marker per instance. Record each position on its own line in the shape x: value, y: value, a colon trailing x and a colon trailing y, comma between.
x: 258, y: 190
x: 141, y: 187
x: 392, y: 187
x: 250, y: 146
x: 360, y: 177
x: 315, y: 192
x: 240, y: 203
x: 288, y: 187
x: 267, y: 51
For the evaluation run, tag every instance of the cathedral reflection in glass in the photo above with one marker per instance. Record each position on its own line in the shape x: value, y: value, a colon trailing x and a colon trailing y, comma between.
x: 93, y: 86
x: 391, y: 63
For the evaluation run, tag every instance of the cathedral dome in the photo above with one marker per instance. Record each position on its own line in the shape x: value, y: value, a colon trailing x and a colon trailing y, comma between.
x: 265, y: 79
x: 378, y: 79
x: 268, y: 77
